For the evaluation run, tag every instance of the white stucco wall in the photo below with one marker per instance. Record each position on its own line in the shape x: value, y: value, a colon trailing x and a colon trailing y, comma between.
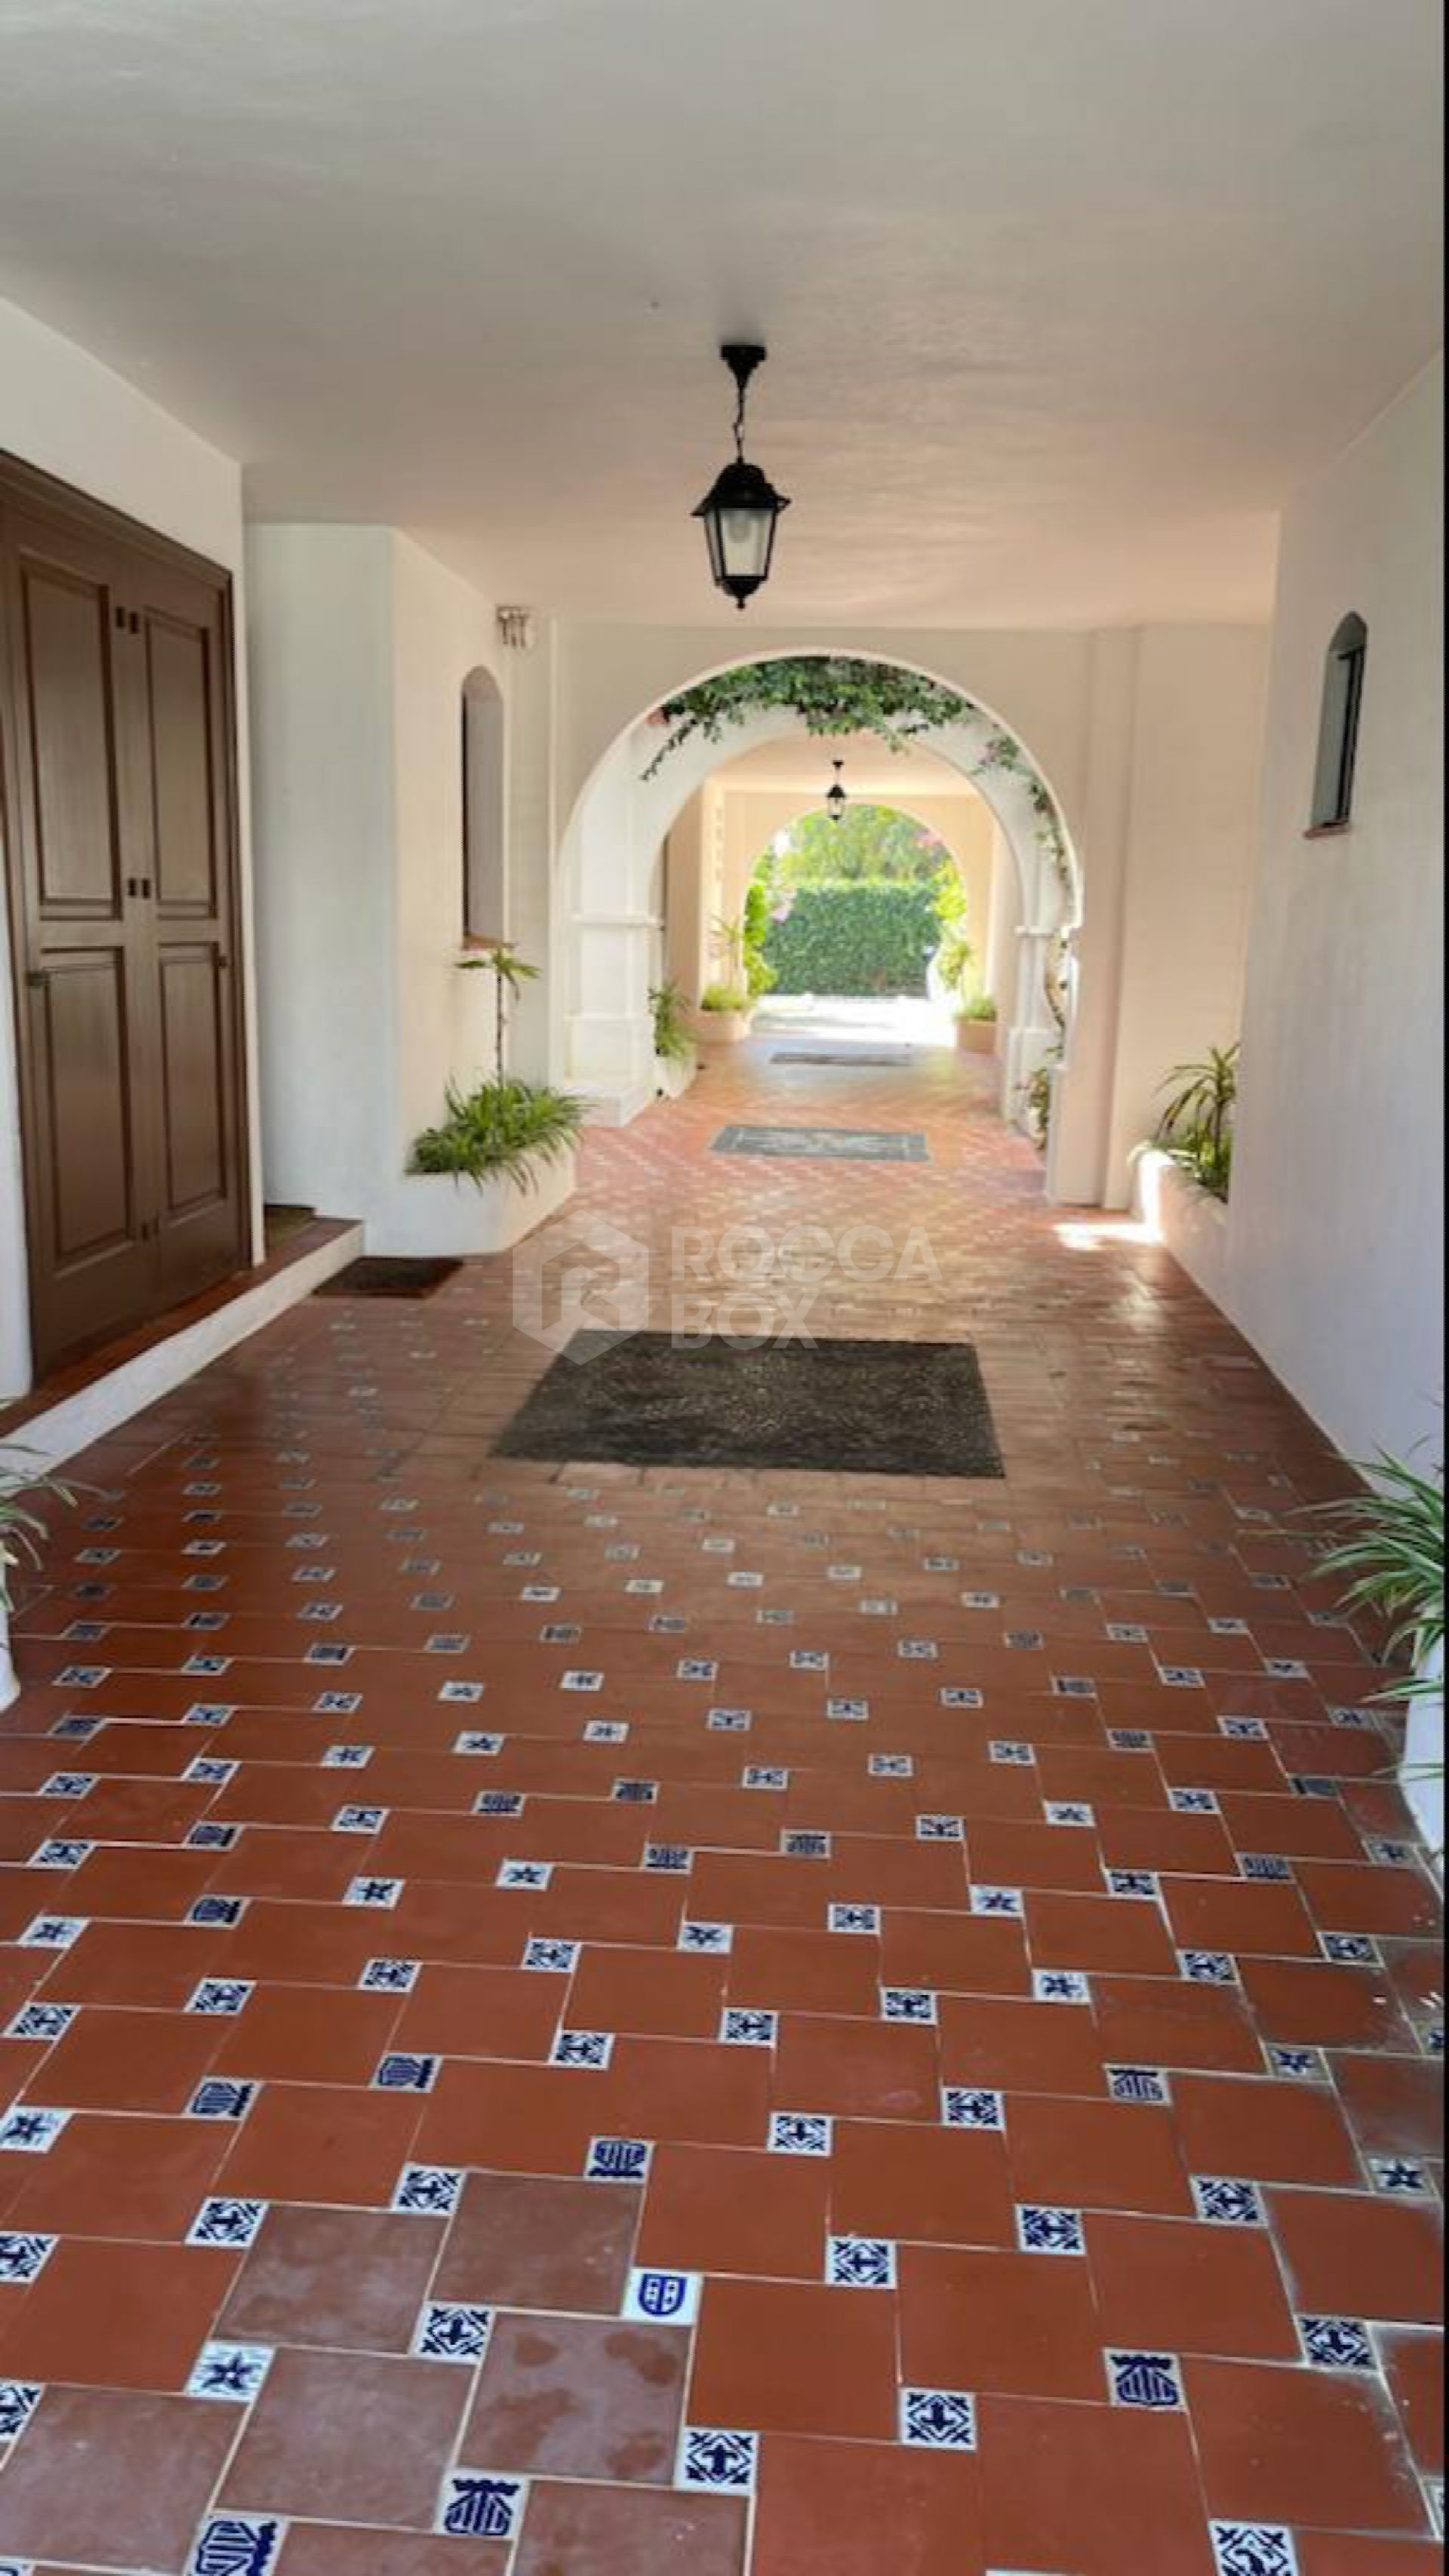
x: 61, y: 410
x: 360, y: 646
x: 1337, y: 1202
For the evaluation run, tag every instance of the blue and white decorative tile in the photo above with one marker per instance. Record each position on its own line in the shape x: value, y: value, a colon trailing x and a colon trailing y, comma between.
x: 477, y: 2505
x: 860, y: 2263
x: 801, y: 2133
x: 430, y: 2191
x: 221, y: 2097
x: 208, y: 1836
x: 582, y: 1681
x: 381, y: 1893
x: 1138, y: 2084
x: 474, y: 1739
x: 618, y: 2160
x: 962, y: 1695
x: 1337, y: 2343
x: 359, y: 1820
x: 402, y: 2070
x: 1349, y: 1949
x: 796, y: 1844
x: 1007, y: 1902
x: 1208, y: 1967
x: 740, y: 2028
x: 764, y: 1775
x: 551, y: 1958
x: 237, y: 2544
x: 582, y: 2048
x: 909, y: 2004
x: 663, y: 2298
x: 718, y: 2463
x: 347, y: 1757
x: 221, y: 1995
x: 52, y: 1931
x: 938, y: 2419
x: 1069, y: 1811
x: 1129, y: 1739
x: 536, y: 1874
x: 635, y: 1793
x: 716, y: 1939
x: 1401, y: 2174
x: 235, y: 2223
x: 1192, y: 1802
x: 1042, y: 2230
x: 29, y: 2130
x: 730, y: 1721
x: 220, y: 1912
x: 1018, y: 1756
x: 232, y: 2372
x: 448, y: 2332
x: 668, y: 1860
x: 864, y: 1919
x: 18, y: 2401
x: 23, y: 2256
x: 891, y: 1766
x: 1254, y: 2549
x: 606, y: 1730
x: 1265, y: 1868
x: 1140, y: 1884
x: 972, y: 2106
x: 1225, y: 2200
x: 1296, y: 2065
x: 390, y: 1976
x: 60, y: 1852
x: 1060, y: 1986
x: 1152, y: 2380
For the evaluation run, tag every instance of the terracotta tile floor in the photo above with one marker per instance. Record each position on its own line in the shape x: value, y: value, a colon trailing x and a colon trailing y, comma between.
x: 578, y: 2021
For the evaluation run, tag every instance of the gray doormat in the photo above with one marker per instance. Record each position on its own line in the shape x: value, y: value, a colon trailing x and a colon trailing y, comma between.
x: 854, y: 1055
x: 846, y: 1408
x: 825, y: 1144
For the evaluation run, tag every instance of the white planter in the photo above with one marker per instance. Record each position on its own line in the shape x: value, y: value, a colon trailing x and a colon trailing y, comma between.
x: 1425, y: 1749
x: 438, y: 1214
x: 9, y: 1678
x: 721, y: 1028
x: 1190, y: 1222
x: 673, y: 1075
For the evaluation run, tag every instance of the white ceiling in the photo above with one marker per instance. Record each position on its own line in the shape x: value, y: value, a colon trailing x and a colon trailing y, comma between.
x: 800, y: 762
x: 1062, y: 296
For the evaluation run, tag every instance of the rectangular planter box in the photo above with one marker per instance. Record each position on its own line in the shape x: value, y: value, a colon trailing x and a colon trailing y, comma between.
x: 1193, y: 1225
x: 432, y: 1212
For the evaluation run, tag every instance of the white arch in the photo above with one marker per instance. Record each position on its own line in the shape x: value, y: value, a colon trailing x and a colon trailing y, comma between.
x: 603, y: 921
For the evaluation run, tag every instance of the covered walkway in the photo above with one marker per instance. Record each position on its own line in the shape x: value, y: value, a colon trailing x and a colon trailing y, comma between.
x: 785, y: 2022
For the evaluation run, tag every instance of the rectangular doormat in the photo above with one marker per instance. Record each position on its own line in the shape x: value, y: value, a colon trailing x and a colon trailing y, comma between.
x: 852, y: 1055
x: 825, y: 1144
x: 378, y: 1275
x: 854, y: 1408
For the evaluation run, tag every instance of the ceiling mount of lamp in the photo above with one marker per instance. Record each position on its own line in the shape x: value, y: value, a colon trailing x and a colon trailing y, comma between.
x: 836, y: 799
x: 741, y: 509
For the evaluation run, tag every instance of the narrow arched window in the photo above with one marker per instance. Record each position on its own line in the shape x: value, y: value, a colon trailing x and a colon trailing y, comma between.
x: 1338, y: 726
x: 484, y: 887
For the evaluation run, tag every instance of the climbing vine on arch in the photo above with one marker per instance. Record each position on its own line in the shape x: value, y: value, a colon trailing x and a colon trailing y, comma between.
x: 841, y: 693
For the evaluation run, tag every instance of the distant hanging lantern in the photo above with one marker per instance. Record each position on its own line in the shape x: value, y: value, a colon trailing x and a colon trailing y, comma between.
x: 837, y: 799
x: 741, y: 509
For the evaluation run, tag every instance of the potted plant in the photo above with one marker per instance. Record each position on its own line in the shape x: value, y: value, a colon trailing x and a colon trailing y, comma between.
x: 976, y: 1025
x: 1196, y: 1126
x: 1392, y: 1556
x: 727, y: 1006
x: 673, y: 1046
x: 514, y: 1140
x: 21, y: 1533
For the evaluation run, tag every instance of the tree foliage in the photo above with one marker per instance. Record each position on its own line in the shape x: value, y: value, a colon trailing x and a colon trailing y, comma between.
x: 870, y: 842
x: 854, y: 939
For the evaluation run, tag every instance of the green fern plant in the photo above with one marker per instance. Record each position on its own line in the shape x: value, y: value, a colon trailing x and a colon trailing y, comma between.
x: 504, y: 1129
x: 672, y: 1040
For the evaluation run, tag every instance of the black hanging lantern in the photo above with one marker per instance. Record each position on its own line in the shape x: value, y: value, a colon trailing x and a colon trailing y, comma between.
x: 837, y: 799
x: 741, y: 509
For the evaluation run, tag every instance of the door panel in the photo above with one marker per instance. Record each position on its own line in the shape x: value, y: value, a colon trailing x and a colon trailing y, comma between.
x: 179, y: 675
x: 118, y: 824
x: 67, y: 618
x: 192, y: 1086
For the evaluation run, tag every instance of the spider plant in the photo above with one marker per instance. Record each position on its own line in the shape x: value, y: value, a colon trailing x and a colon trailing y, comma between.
x: 502, y: 1130
x: 1196, y: 1125
x: 21, y: 1528
x: 1391, y: 1558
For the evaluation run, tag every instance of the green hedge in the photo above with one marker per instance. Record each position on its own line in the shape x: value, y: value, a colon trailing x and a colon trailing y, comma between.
x: 855, y: 938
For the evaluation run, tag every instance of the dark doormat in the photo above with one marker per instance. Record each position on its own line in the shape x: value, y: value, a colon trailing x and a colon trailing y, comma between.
x: 847, y: 1408
x: 856, y: 1055
x: 378, y: 1276
x: 824, y: 1144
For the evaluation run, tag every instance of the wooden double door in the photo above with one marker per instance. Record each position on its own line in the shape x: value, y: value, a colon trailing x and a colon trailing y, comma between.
x: 118, y: 815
